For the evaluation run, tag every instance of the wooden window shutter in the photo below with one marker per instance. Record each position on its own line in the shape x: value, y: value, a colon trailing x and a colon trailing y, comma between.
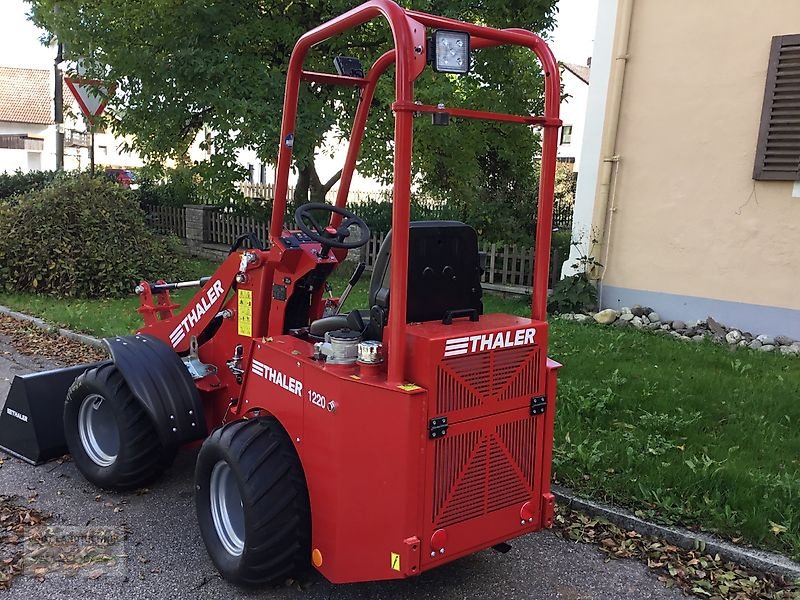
x: 778, y: 151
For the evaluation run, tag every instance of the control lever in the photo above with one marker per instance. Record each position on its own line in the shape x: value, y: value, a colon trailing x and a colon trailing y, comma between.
x: 353, y: 280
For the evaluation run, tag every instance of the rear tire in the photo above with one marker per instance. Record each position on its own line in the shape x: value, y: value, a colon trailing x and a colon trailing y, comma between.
x: 111, y: 437
x: 252, y: 503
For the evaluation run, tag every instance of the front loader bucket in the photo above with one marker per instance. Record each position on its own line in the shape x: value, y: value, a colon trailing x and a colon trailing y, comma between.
x: 32, y: 421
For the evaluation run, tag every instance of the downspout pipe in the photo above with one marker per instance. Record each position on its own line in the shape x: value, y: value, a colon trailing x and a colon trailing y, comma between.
x: 601, y: 220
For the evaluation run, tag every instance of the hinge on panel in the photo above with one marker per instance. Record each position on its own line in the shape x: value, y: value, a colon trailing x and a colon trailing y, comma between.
x: 538, y: 405
x: 437, y: 427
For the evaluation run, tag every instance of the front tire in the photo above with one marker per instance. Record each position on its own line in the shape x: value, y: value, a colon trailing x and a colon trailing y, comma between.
x: 252, y: 503
x: 111, y: 437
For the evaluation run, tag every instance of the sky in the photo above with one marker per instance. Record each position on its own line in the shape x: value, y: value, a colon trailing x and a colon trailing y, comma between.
x: 573, y: 37
x: 19, y: 39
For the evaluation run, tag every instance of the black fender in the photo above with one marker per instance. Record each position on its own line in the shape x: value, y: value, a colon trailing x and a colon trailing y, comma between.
x: 160, y: 381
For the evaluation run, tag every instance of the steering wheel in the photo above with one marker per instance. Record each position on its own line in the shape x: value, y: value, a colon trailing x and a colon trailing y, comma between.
x: 329, y: 238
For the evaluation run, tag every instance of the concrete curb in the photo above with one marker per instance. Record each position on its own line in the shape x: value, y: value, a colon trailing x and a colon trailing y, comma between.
x: 81, y: 338
x: 757, y: 560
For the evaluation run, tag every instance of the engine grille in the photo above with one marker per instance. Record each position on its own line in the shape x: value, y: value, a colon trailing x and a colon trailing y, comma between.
x: 483, y: 470
x: 485, y: 379
x: 486, y: 461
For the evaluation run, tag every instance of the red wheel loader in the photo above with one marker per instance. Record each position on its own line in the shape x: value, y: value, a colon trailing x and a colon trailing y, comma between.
x: 372, y: 445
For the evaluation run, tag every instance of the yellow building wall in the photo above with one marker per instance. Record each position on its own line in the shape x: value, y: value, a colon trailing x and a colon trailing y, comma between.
x: 687, y: 218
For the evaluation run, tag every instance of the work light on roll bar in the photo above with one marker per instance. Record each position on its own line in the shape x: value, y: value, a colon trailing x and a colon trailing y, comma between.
x: 449, y: 51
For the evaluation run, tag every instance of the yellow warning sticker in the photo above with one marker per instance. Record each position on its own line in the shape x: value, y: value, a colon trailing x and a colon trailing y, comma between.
x: 395, y: 561
x: 409, y: 387
x: 245, y: 313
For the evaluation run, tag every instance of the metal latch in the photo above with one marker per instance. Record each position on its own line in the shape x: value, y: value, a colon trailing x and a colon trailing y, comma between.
x: 235, y: 363
x: 437, y: 427
x: 538, y: 405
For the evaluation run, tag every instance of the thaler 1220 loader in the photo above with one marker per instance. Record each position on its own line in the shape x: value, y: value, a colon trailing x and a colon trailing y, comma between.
x: 373, y: 445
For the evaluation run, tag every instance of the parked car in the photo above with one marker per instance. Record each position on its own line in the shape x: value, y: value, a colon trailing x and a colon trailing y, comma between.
x: 125, y: 177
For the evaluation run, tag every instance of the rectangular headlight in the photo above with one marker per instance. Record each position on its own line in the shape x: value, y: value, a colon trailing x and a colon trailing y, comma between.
x: 450, y: 51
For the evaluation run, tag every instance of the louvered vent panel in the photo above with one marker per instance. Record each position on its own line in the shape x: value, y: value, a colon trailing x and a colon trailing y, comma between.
x: 481, y: 471
x: 478, y: 379
x: 778, y: 153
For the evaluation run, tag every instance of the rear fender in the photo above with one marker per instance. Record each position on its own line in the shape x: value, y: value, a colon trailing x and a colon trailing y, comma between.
x: 160, y: 381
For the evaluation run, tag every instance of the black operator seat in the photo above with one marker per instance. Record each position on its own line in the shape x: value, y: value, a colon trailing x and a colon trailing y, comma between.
x: 444, y: 274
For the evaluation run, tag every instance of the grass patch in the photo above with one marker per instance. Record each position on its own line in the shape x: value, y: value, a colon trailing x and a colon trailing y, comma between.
x: 684, y: 433
x: 100, y: 317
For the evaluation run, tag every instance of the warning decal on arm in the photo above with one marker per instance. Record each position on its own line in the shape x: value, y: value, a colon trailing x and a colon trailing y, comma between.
x: 245, y: 313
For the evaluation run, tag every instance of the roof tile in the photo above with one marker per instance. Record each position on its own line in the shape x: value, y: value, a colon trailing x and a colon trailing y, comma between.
x: 582, y: 72
x: 26, y: 96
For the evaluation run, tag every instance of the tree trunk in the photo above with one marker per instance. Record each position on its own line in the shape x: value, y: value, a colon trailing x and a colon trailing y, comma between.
x: 302, y: 186
x: 310, y: 188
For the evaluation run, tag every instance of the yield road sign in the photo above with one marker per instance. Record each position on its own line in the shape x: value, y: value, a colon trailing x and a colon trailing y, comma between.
x: 92, y: 95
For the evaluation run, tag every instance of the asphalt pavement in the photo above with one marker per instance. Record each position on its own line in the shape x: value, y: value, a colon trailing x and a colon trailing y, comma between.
x: 163, y: 555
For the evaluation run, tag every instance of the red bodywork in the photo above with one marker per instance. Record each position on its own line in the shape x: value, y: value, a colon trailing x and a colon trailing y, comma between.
x: 388, y: 500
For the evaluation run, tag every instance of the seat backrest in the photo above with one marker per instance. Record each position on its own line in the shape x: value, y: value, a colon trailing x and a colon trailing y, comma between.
x: 444, y: 272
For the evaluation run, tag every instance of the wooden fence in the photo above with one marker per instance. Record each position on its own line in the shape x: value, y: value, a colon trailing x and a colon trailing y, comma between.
x: 266, y: 191
x: 224, y: 228
x: 507, y: 268
x: 167, y: 219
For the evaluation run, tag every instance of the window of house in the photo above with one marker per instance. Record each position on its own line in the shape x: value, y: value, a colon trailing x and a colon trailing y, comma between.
x: 778, y: 150
x: 566, y: 134
x: 263, y: 173
x: 251, y: 173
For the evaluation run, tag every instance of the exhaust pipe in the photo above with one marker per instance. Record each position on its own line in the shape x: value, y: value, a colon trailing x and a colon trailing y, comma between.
x: 32, y: 418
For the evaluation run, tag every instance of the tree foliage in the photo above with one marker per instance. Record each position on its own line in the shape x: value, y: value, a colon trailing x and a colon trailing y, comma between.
x: 219, y: 66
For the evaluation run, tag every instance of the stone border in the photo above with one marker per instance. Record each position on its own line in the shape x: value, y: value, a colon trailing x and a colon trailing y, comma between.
x: 646, y: 318
x: 757, y: 560
x: 81, y: 338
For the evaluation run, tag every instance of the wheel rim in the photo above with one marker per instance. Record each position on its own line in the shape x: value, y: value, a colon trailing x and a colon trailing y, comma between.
x: 227, y: 509
x: 98, y: 430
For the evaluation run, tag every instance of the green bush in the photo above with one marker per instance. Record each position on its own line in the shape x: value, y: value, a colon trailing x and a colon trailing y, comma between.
x: 81, y: 237
x: 378, y: 213
x: 171, y: 187
x: 560, y: 245
x: 12, y: 184
x: 573, y: 294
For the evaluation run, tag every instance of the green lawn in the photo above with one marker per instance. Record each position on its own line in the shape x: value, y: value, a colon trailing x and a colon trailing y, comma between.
x: 99, y: 317
x: 685, y: 433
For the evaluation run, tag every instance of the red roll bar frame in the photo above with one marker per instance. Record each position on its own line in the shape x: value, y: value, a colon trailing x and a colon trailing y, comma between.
x: 408, y: 31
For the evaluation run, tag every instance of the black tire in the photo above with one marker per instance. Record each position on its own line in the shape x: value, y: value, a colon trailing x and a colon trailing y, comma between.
x: 274, y: 520
x: 139, y: 456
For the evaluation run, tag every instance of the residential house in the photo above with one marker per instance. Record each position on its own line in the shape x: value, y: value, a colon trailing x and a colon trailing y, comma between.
x: 575, y: 81
x: 690, y: 160
x: 28, y: 129
x: 26, y: 115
